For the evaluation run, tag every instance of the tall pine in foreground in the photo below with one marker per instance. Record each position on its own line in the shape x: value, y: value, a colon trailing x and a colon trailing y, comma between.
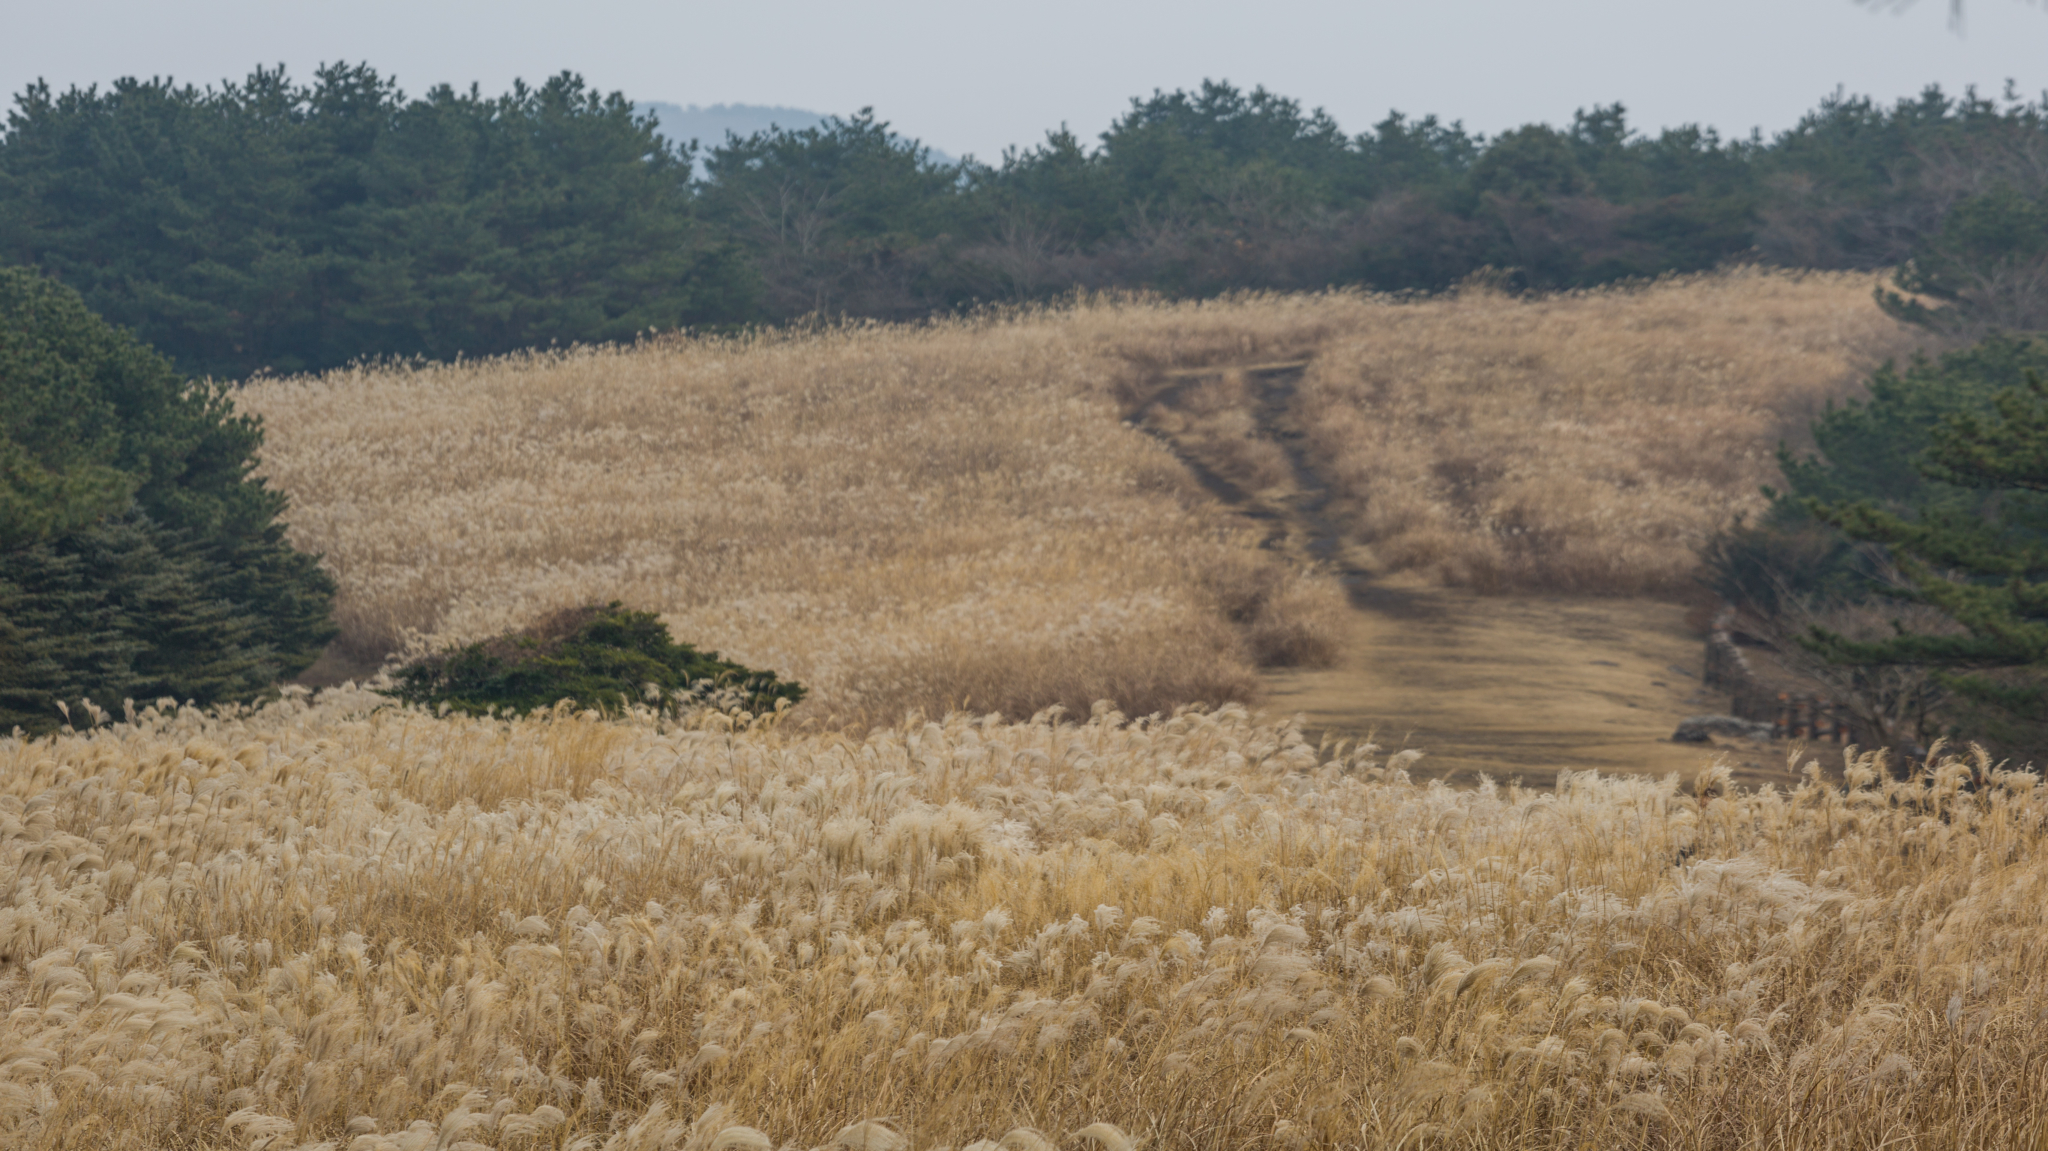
x: 139, y: 557
x: 1985, y: 567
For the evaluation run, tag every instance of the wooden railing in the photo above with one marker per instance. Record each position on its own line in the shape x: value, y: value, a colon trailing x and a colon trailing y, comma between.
x: 1808, y: 716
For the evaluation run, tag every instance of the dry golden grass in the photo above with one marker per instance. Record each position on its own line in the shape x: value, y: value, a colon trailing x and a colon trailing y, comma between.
x: 900, y: 518
x: 311, y: 927
x: 920, y: 518
x: 1586, y: 442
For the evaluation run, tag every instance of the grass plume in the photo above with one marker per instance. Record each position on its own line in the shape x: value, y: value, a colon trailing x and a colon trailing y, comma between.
x: 321, y: 925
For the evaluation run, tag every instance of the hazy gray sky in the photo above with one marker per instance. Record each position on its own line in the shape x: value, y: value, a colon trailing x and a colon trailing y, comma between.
x: 974, y: 77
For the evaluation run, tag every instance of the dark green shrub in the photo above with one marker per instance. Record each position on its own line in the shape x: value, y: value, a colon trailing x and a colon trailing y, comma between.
x: 138, y: 556
x: 609, y: 658
x: 1986, y: 569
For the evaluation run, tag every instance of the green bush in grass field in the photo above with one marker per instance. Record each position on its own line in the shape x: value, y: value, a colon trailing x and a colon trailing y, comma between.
x: 139, y: 557
x: 608, y: 658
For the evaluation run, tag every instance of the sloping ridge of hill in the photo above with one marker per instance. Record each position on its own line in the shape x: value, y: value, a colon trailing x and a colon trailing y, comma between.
x: 708, y: 124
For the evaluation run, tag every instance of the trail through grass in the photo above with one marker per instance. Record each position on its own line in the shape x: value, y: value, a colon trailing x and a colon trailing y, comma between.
x: 1519, y: 685
x: 1516, y: 687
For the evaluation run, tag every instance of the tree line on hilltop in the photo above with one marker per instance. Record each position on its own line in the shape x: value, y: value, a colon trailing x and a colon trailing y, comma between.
x: 280, y: 226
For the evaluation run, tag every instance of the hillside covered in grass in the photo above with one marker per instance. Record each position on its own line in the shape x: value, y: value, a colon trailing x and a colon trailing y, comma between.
x: 1000, y: 514
x: 899, y: 518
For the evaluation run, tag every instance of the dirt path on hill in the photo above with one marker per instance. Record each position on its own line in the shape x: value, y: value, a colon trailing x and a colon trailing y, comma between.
x: 1517, y: 686
x: 1509, y: 686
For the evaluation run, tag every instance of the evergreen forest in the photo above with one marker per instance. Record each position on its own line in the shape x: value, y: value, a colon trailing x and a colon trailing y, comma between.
x: 274, y: 225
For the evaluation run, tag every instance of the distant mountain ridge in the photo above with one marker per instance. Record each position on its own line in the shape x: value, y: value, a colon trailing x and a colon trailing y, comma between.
x: 708, y: 125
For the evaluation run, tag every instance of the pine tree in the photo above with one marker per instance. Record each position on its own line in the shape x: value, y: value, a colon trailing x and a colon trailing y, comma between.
x: 139, y: 558
x: 1986, y: 567
x: 1985, y: 268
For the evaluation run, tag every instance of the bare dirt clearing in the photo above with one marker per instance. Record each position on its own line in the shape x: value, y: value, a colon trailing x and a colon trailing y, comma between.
x: 1516, y: 686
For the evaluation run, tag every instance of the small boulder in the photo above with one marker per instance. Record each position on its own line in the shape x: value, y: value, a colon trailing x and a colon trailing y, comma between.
x: 1703, y: 729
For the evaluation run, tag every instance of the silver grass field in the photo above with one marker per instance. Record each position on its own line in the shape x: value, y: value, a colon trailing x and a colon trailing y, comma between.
x: 952, y: 900
x: 332, y: 925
